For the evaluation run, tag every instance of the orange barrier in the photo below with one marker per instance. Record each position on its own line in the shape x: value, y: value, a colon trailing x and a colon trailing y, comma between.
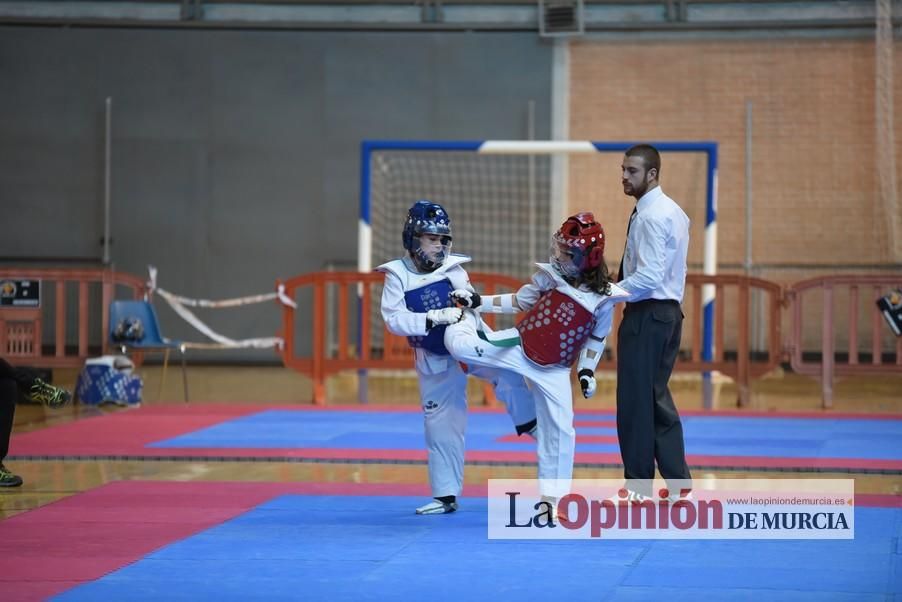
x: 21, y: 328
x: 321, y: 342
x: 373, y: 347
x: 733, y: 295
x: 854, y: 290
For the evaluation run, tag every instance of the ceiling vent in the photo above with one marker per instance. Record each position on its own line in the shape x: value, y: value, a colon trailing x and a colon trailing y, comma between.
x: 561, y: 17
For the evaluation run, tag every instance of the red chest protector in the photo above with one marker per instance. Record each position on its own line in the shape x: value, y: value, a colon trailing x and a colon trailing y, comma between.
x: 554, y: 330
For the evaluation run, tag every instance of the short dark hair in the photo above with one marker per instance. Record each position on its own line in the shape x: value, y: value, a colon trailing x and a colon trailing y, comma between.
x: 648, y: 154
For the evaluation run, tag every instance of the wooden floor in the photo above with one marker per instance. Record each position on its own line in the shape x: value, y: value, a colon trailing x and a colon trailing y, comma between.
x: 47, y: 481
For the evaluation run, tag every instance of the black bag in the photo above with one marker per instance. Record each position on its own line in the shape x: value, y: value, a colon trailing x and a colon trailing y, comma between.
x: 128, y: 330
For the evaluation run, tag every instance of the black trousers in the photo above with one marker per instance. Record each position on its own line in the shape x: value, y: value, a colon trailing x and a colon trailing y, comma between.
x: 11, y: 379
x: 648, y: 424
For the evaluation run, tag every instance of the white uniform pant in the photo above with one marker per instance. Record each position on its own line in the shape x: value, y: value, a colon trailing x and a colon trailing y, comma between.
x: 551, y: 393
x: 444, y: 402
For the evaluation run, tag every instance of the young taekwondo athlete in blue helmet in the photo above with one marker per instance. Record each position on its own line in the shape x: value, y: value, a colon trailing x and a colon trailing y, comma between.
x: 416, y: 303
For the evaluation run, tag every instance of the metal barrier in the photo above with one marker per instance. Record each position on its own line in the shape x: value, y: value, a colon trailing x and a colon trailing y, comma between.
x: 857, y: 290
x: 386, y: 351
x: 22, y: 326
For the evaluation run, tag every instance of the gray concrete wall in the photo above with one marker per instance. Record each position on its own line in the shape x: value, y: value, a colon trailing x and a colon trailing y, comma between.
x: 235, y: 153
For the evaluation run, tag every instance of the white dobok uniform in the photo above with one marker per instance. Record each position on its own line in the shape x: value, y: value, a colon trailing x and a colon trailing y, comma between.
x: 406, y: 297
x: 559, y: 320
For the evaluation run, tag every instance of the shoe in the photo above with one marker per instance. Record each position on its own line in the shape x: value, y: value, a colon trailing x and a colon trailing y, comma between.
x: 8, y: 479
x: 49, y: 395
x: 556, y: 515
x: 628, y: 496
x: 684, y: 494
x: 437, y: 507
x: 528, y: 428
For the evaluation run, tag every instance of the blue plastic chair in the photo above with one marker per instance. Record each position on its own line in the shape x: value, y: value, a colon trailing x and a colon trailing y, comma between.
x: 153, y: 339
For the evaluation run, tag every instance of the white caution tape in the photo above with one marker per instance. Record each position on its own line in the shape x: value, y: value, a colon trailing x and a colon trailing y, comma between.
x: 285, y: 299
x: 279, y: 294
x: 188, y: 316
x: 178, y: 303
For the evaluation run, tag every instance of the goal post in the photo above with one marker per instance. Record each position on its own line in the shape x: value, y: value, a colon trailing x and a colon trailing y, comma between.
x: 505, y: 198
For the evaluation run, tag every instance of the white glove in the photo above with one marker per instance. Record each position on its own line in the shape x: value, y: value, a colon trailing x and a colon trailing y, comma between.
x: 447, y: 315
x: 587, y: 382
x: 464, y: 298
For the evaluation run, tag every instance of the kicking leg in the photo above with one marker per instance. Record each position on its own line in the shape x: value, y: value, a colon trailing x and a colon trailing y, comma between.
x: 495, y: 357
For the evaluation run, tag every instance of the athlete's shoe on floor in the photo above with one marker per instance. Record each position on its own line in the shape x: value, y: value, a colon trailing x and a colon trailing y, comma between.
x: 49, y: 395
x: 556, y: 514
x: 628, y: 496
x: 8, y: 479
x: 683, y: 495
x: 437, y: 507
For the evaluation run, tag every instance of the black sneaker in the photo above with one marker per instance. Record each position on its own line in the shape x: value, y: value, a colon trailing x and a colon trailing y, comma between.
x: 49, y: 395
x: 8, y: 479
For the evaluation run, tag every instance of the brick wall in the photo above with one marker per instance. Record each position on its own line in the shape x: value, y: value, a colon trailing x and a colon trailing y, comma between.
x: 814, y: 180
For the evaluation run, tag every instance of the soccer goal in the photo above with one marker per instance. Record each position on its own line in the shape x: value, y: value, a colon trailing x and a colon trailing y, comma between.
x: 505, y: 198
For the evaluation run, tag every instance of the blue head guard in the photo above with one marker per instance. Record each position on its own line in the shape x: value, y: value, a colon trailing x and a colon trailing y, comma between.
x: 426, y: 217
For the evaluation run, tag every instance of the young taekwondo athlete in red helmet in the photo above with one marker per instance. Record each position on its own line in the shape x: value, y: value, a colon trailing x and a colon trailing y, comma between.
x: 568, y: 309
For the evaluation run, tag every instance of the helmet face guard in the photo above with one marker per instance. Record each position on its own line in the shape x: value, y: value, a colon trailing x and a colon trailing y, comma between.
x: 427, y: 235
x: 565, y: 259
x: 578, y: 246
x: 430, y: 250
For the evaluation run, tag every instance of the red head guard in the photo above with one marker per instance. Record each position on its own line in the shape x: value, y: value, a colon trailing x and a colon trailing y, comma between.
x: 579, y: 243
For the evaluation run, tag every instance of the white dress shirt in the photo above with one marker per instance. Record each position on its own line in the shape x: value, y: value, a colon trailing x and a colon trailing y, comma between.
x: 654, y: 263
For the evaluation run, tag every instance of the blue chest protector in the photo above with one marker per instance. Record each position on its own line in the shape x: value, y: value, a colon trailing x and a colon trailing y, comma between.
x: 436, y: 295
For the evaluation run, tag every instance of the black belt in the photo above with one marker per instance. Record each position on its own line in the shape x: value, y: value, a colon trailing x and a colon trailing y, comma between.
x: 650, y: 303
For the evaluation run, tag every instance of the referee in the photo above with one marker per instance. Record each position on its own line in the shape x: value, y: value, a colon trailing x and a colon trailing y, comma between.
x: 653, y: 271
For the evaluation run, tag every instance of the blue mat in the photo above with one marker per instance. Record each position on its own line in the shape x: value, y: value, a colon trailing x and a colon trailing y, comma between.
x: 705, y: 435
x: 374, y: 548
x: 273, y: 429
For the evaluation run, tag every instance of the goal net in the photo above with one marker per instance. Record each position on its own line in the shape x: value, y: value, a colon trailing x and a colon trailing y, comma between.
x: 500, y: 204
